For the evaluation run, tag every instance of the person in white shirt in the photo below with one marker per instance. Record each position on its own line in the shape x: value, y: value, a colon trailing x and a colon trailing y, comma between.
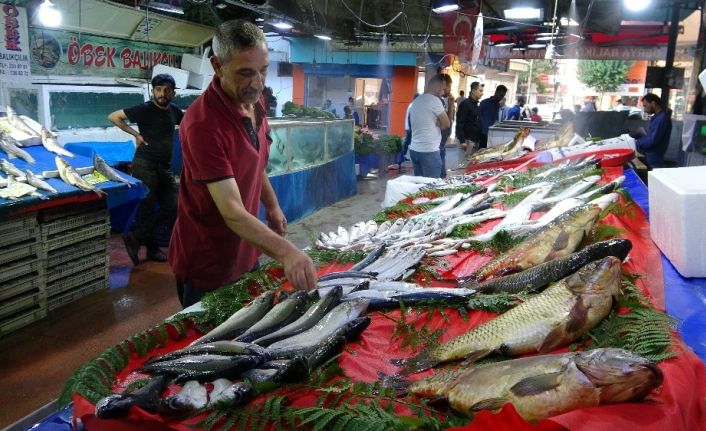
x: 427, y: 117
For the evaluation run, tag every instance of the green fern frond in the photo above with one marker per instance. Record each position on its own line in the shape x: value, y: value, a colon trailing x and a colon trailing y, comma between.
x: 496, y: 302
x: 512, y: 199
x: 323, y: 257
x: 464, y: 230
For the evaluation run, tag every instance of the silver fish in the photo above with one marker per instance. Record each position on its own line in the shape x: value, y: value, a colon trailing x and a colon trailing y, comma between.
x: 18, y: 123
x: 108, y: 172
x: 37, y: 182
x: 52, y: 145
x: 9, y: 145
x: 69, y: 175
x: 10, y: 169
x: 241, y: 320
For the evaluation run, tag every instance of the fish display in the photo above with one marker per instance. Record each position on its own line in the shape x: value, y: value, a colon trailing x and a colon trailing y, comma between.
x: 562, y: 313
x: 15, y: 190
x: 147, y: 398
x: 69, y: 175
x: 279, y: 316
x: 240, y: 321
x: 543, y: 386
x: 104, y: 169
x: 18, y: 123
x: 10, y: 169
x: 204, y: 367
x: 49, y: 142
x: 10, y: 146
x: 225, y: 348
x: 538, y: 276
x: 37, y: 182
x: 192, y: 396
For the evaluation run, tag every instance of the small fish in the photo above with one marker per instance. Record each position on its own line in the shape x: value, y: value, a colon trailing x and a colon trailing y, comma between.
x: 50, y: 143
x: 147, y: 398
x: 18, y: 123
x: 108, y: 172
x: 69, y: 175
x: 204, y: 367
x: 37, y: 182
x: 10, y: 146
x: 543, y: 386
x: 11, y: 169
x: 241, y: 320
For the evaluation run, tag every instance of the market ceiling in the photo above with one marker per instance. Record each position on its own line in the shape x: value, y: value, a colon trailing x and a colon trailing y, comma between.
x: 355, y: 21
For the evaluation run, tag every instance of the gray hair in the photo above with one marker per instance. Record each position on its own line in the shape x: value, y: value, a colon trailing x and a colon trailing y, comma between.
x: 236, y: 35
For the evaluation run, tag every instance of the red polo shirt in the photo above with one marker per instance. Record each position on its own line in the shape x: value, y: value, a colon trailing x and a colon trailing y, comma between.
x: 216, y: 144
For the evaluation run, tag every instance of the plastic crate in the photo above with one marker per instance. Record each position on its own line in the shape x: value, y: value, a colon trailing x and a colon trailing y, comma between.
x: 62, y: 211
x: 20, y: 285
x: 10, y: 238
x: 19, y: 268
x: 18, y: 251
x: 21, y: 302
x: 64, y: 239
x: 73, y: 222
x: 74, y: 251
x: 72, y: 295
x: 18, y: 224
x: 24, y: 318
x: 74, y: 266
x: 72, y: 281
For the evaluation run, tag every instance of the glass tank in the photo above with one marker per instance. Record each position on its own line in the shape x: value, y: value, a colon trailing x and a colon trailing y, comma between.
x: 301, y: 144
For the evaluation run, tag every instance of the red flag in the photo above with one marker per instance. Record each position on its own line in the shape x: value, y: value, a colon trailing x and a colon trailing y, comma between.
x: 458, y: 33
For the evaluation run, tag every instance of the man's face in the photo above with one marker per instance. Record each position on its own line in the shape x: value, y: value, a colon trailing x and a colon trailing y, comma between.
x: 243, y: 76
x: 163, y: 95
x: 447, y: 89
x: 500, y: 95
x: 477, y: 93
x: 649, y: 107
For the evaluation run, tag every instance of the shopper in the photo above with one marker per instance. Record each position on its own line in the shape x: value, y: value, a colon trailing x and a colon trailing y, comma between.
x: 152, y: 164
x: 468, y: 126
x: 489, y: 112
x: 653, y: 143
x: 225, y: 140
x: 460, y: 99
x: 427, y: 117
x: 535, y: 115
x: 515, y: 113
x: 348, y: 115
x: 447, y: 99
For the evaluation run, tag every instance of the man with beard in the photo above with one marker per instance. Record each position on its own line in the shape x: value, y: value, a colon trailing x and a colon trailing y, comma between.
x: 225, y: 140
x: 152, y: 164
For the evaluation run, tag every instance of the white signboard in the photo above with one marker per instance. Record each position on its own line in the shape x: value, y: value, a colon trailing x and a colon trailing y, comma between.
x: 588, y: 52
x: 14, y: 49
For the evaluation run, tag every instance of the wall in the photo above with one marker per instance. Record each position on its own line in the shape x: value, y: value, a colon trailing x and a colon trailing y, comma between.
x: 404, y: 86
x: 298, y: 83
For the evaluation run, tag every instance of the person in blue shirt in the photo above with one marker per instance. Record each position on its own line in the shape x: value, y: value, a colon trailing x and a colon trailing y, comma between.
x: 653, y: 143
x: 515, y: 113
x: 489, y: 110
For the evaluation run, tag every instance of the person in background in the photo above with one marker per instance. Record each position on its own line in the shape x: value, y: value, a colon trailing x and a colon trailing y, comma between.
x: 351, y: 115
x: 589, y: 106
x: 535, y: 115
x: 226, y: 139
x: 450, y: 105
x: 577, y: 108
x: 460, y: 99
x: 619, y: 106
x: 427, y: 117
x: 154, y: 141
x: 515, y: 113
x: 653, y: 143
x: 468, y: 126
x: 489, y: 110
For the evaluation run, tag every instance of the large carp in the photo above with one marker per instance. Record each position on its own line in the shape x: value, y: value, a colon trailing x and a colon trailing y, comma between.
x: 563, y: 312
x: 543, y: 386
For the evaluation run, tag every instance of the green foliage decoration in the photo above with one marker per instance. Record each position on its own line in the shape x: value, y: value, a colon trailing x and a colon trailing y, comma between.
x: 388, y: 144
x: 603, y: 75
x: 363, y: 143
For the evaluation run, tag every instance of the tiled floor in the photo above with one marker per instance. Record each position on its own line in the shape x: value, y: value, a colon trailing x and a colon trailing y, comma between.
x: 36, y: 361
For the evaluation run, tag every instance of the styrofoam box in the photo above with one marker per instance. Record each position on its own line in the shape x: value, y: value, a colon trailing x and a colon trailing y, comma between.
x: 196, y: 64
x: 199, y: 81
x: 677, y: 214
x: 181, y: 77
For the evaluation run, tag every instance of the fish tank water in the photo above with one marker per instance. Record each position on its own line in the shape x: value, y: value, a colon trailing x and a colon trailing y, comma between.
x: 302, y: 144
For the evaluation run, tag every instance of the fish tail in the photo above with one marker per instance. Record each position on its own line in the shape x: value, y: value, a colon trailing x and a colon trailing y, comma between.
x: 394, y: 381
x: 422, y: 361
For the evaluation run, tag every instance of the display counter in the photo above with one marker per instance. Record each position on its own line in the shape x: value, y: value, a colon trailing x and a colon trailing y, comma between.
x: 504, y: 131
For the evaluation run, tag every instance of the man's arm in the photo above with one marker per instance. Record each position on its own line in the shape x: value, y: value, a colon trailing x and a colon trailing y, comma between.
x: 450, y: 108
x: 118, y: 118
x: 298, y: 267
x: 273, y: 213
x: 443, y: 120
x: 655, y: 134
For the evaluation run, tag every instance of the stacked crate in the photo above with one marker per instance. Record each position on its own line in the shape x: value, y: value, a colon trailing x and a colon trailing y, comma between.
x: 23, y: 296
x: 74, y: 240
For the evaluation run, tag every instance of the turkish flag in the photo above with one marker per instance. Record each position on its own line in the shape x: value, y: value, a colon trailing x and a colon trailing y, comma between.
x: 458, y: 33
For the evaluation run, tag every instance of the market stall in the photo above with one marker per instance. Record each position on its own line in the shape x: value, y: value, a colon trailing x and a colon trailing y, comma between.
x: 345, y: 388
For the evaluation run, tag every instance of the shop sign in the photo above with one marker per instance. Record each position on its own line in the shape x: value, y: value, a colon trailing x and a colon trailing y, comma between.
x: 588, y: 52
x: 14, y: 53
x: 60, y: 52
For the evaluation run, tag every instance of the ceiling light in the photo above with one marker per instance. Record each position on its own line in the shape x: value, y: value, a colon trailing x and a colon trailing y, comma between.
x: 48, y: 15
x: 524, y: 13
x: 444, y: 6
x: 323, y: 36
x: 165, y: 7
x: 545, y: 38
x: 636, y: 5
x: 536, y: 45
x: 283, y: 25
x: 259, y: 19
x: 504, y: 44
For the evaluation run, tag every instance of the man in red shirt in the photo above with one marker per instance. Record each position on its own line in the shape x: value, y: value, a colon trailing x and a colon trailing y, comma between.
x: 225, y: 142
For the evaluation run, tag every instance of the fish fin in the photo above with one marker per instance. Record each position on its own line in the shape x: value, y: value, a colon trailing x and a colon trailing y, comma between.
x: 577, y: 316
x: 492, y: 404
x: 423, y: 361
x: 554, y: 339
x: 478, y: 354
x: 561, y: 241
x: 536, y: 384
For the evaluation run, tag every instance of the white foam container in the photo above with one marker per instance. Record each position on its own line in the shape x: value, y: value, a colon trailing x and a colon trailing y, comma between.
x: 199, y: 81
x: 194, y: 63
x: 181, y: 77
x: 678, y: 216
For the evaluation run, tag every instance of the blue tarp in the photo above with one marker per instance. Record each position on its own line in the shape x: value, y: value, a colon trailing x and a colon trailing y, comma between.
x: 112, y: 152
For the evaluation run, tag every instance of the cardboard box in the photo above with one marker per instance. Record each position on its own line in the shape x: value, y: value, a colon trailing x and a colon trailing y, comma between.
x: 181, y: 77
x: 196, y: 64
x: 677, y: 213
x: 196, y: 80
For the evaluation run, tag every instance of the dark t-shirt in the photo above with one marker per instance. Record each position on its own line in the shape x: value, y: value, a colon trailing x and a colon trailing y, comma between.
x: 468, y: 121
x: 156, y: 125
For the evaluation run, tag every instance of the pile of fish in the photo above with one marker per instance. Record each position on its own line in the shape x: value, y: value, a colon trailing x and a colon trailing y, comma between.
x: 509, y: 151
x: 547, y: 385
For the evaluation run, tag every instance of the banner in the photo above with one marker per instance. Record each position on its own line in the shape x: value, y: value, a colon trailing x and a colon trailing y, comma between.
x: 459, y: 30
x: 58, y: 52
x: 14, y: 53
x: 587, y: 52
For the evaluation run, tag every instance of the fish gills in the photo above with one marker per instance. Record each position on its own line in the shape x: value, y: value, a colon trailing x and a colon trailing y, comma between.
x: 557, y: 316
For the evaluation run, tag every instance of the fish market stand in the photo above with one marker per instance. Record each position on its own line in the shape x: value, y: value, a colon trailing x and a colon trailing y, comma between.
x: 503, y: 131
x: 678, y: 404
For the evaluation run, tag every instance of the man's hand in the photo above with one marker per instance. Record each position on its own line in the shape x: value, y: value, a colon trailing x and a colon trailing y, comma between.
x: 139, y: 140
x: 299, y: 270
x: 276, y: 221
x: 638, y: 133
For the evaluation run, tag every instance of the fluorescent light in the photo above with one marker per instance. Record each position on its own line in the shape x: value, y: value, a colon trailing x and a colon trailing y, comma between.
x: 283, y: 25
x: 520, y: 48
x: 48, y: 15
x: 258, y: 19
x: 568, y: 22
x: 636, y: 5
x: 222, y: 6
x: 165, y: 7
x: 445, y: 8
x: 524, y: 13
x: 504, y: 44
x: 536, y: 45
x: 544, y: 38
x: 322, y: 36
